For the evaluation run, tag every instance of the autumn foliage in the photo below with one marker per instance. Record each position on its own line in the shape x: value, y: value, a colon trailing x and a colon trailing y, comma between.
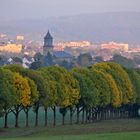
x: 96, y: 91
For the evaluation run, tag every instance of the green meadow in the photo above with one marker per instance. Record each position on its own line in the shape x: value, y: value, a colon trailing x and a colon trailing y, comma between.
x: 123, y: 129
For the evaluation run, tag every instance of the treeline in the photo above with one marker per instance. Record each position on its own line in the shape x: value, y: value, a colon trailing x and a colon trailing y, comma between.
x: 102, y: 91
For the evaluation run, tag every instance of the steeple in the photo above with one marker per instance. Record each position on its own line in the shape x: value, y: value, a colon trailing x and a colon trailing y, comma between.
x: 48, y: 36
x: 48, y: 44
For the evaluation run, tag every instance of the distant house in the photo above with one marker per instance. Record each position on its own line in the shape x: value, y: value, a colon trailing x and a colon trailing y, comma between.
x: 14, y: 60
x: 27, y: 61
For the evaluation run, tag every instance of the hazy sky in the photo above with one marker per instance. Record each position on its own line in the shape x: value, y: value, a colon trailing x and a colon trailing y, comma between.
x: 15, y: 9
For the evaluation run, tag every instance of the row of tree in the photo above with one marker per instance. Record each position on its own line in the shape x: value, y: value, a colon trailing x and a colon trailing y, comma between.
x: 98, y: 91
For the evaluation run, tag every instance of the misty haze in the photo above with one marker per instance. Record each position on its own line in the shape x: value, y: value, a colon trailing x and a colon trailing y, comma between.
x: 70, y: 69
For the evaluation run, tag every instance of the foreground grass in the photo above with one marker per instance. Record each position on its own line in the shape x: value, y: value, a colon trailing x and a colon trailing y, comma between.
x: 127, y: 129
x: 112, y: 136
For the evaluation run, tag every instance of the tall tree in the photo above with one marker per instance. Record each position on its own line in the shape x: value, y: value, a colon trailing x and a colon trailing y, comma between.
x: 88, y: 91
x: 23, y: 95
x: 135, y: 78
x: 123, y: 61
x: 51, y: 95
x: 121, y: 78
x: 84, y: 60
x: 39, y: 81
x: 7, y: 93
x: 36, y: 65
x: 34, y: 97
x: 38, y: 57
x: 67, y: 91
x: 111, y: 90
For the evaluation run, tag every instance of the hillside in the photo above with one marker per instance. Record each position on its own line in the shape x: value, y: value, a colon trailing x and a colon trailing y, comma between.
x: 97, y: 27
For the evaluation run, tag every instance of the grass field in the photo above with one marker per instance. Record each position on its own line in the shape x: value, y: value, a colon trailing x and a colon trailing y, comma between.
x: 123, y: 129
x: 128, y: 129
x: 113, y: 136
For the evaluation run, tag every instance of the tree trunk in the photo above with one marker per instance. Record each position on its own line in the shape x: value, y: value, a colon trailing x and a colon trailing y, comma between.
x: 87, y: 116
x: 83, y: 115
x: 71, y: 115
x: 36, y: 117
x: 54, y: 116
x: 102, y: 114
x: 16, y: 112
x: 16, y: 119
x: 46, y: 116
x: 93, y: 115
x: 63, y: 119
x: 120, y: 112
x: 5, y: 121
x: 77, y: 114
x: 90, y: 115
x: 27, y: 118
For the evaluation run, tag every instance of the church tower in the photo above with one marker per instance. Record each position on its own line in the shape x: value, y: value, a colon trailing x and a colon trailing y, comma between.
x: 48, y: 44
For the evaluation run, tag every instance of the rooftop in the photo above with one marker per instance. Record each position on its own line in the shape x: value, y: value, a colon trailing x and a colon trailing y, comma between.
x: 62, y: 54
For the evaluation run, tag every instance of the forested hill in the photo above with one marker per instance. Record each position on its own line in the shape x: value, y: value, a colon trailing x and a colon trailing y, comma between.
x: 97, y: 27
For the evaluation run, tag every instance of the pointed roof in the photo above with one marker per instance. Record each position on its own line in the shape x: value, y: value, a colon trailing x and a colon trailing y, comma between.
x: 48, y: 36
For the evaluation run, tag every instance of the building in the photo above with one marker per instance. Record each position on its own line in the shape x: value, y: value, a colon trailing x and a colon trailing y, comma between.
x: 49, y: 48
x: 115, y: 46
x: 62, y: 55
x: 74, y: 44
x: 48, y: 44
x: 20, y: 38
x: 11, y: 48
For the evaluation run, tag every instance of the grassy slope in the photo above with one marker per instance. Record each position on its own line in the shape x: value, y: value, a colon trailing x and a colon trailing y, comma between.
x: 113, y: 136
x: 105, y: 130
x: 127, y: 129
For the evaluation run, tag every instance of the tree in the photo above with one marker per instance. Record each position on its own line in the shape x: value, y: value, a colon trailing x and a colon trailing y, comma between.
x: 85, y: 79
x: 36, y: 65
x: 135, y: 79
x: 100, y: 81
x: 121, y: 78
x: 63, y: 111
x: 110, y: 89
x: 123, y: 61
x: 33, y: 99
x: 39, y: 81
x: 98, y: 59
x: 23, y: 95
x: 66, y: 64
x: 15, y: 68
x: 3, y: 60
x: 51, y: 94
x: 38, y: 57
x: 84, y: 60
x: 136, y: 59
x: 7, y: 93
x: 67, y: 92
x: 88, y: 91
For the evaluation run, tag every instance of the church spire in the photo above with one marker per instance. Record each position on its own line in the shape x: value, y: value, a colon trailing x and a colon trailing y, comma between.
x: 48, y: 44
x: 48, y: 35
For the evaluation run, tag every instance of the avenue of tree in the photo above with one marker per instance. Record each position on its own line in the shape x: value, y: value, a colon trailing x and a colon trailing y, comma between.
x: 102, y: 91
